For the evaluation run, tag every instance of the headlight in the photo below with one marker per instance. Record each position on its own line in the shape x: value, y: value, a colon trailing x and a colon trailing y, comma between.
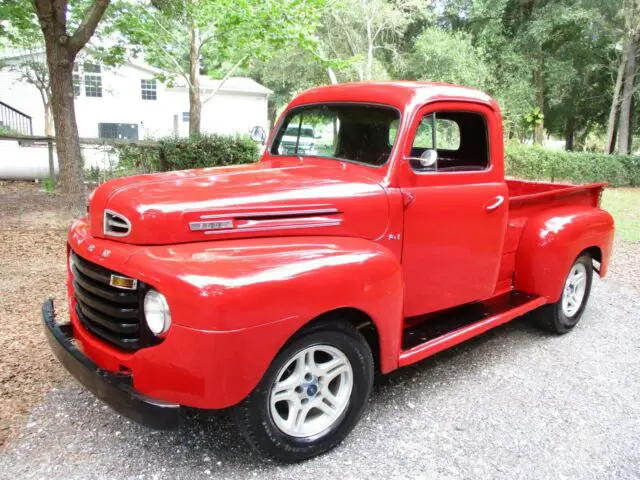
x: 156, y: 311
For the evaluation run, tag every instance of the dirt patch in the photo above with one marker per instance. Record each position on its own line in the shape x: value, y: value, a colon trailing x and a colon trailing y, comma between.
x: 32, y: 268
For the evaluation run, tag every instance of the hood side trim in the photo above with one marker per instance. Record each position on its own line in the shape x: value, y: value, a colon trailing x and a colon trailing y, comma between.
x: 277, y: 213
x: 333, y: 223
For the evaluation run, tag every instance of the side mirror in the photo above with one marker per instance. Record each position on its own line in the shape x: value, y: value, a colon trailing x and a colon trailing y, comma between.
x: 258, y: 134
x: 427, y: 159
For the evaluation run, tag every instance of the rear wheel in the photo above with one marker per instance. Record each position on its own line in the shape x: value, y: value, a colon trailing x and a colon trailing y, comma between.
x: 311, y: 396
x: 562, y: 316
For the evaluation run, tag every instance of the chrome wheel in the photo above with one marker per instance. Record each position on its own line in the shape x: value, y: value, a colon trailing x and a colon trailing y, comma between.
x: 575, y: 288
x: 311, y: 391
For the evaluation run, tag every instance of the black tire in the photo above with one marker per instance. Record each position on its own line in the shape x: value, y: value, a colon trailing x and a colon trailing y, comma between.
x: 552, y: 318
x: 253, y: 415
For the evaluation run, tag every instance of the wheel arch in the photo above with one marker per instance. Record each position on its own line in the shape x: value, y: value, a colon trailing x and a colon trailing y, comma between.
x: 356, y: 317
x: 553, y: 240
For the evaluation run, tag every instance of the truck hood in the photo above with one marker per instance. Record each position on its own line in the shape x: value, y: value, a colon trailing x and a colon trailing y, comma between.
x: 244, y: 201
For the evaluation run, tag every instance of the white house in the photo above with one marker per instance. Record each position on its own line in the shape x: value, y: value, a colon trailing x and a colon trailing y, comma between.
x: 129, y: 102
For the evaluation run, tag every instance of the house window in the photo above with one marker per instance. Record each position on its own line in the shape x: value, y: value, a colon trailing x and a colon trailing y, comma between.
x: 148, y: 88
x: 92, y: 80
x: 118, y: 130
x: 185, y: 116
x: 76, y: 80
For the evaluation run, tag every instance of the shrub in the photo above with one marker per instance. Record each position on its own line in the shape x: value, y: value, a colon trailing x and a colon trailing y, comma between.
x: 538, y: 163
x: 49, y: 185
x: 174, y: 153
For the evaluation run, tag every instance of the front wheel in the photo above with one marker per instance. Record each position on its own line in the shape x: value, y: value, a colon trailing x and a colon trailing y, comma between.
x: 311, y: 396
x: 562, y: 316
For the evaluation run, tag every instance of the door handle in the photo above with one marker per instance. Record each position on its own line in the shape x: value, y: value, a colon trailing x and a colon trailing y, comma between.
x: 499, y: 201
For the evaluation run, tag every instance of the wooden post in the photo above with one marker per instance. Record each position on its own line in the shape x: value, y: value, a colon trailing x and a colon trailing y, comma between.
x: 52, y: 167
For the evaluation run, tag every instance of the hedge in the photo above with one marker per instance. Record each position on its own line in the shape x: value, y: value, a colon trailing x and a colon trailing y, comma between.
x: 174, y: 153
x: 538, y: 163
x: 521, y: 161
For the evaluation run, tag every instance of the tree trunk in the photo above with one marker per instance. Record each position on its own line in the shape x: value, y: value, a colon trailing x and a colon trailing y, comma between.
x: 332, y: 76
x: 195, y: 106
x: 67, y: 141
x: 628, y: 90
x: 45, y: 96
x: 60, y: 65
x: 61, y: 49
x: 272, y: 113
x: 612, y: 130
x: 569, y: 133
x: 369, y: 52
x: 49, y: 131
x: 631, y: 122
x: 538, y: 78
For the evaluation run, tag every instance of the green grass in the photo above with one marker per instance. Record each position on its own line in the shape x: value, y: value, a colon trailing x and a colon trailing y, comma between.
x: 624, y: 205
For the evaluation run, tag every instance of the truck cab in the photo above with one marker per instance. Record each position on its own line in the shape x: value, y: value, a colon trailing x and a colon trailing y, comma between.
x: 377, y: 229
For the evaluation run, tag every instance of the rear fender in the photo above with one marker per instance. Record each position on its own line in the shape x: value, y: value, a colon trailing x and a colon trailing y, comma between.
x: 550, y: 243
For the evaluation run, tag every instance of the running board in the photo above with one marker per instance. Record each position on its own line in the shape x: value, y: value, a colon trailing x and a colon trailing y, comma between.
x: 441, y: 331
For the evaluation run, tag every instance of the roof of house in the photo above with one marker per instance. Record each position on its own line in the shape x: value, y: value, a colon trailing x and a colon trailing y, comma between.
x: 232, y: 84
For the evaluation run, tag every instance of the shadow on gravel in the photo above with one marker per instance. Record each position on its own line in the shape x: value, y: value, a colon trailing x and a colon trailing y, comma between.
x: 216, y: 437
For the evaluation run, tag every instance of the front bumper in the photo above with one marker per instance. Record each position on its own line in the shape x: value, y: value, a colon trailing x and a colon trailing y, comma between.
x: 115, y: 389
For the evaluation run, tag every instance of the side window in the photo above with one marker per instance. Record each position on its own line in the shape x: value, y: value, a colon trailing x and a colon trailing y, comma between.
x: 424, y: 135
x: 459, y: 139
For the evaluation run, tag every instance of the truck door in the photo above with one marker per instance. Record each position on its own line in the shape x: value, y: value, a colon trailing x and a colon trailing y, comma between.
x: 456, y: 199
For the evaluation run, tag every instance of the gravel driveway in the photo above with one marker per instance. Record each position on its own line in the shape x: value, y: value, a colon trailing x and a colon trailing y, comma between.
x: 514, y: 403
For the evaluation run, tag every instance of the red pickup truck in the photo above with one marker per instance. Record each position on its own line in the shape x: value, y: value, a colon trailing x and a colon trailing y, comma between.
x: 377, y: 230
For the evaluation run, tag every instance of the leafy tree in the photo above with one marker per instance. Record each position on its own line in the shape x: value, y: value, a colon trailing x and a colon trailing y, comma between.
x: 358, y: 32
x: 64, y: 31
x: 631, y: 12
x: 444, y: 56
x: 188, y: 38
x: 288, y: 73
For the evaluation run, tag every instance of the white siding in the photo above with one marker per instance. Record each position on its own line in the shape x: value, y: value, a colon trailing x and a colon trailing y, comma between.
x: 121, y: 102
x: 230, y: 112
x: 23, y: 97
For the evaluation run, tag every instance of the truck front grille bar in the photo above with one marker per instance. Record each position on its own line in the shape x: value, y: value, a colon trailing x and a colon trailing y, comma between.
x: 111, y: 314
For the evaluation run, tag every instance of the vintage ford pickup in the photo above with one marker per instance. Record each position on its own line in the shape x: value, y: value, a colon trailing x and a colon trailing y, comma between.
x: 385, y: 235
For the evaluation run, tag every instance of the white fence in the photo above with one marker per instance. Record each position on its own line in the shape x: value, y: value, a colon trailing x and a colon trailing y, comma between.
x: 29, y: 160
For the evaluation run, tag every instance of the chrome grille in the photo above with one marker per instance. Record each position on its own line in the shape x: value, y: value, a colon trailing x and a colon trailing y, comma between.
x: 115, y: 224
x: 109, y: 313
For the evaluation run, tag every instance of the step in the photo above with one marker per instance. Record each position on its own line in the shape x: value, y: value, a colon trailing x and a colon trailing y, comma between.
x: 433, y: 333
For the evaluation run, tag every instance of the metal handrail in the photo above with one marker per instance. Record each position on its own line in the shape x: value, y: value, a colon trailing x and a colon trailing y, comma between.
x: 15, y: 119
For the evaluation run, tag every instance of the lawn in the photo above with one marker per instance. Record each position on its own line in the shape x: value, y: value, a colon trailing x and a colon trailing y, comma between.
x: 624, y: 205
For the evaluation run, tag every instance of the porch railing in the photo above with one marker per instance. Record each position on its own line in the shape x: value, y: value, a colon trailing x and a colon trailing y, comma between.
x: 15, y: 120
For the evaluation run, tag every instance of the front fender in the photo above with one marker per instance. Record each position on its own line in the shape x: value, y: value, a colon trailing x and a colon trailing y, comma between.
x: 257, y: 293
x: 552, y: 241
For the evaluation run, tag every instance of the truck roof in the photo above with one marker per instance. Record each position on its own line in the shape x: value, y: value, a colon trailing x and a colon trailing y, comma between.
x: 400, y: 94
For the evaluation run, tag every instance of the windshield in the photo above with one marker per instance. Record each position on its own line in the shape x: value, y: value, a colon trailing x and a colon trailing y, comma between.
x: 352, y: 132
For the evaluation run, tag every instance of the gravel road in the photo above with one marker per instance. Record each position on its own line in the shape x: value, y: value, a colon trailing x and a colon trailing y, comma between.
x: 514, y: 403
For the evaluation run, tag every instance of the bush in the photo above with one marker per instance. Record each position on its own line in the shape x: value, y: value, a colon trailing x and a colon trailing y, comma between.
x: 173, y: 153
x: 538, y: 163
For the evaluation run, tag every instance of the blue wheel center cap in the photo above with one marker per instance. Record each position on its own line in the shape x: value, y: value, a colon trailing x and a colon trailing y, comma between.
x: 312, y: 390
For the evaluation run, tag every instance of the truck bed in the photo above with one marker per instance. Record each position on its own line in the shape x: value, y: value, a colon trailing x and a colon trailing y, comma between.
x: 526, y: 200
x: 522, y: 192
